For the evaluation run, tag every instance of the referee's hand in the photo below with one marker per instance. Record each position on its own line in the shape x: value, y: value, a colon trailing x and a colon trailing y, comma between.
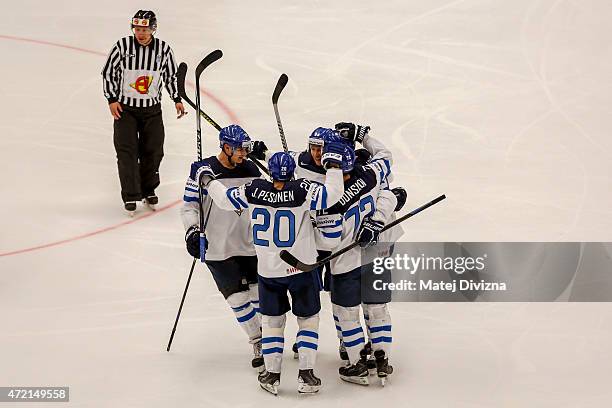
x: 180, y: 110
x: 116, y: 110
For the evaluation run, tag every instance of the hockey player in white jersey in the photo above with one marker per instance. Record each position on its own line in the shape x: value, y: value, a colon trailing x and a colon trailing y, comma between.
x: 280, y: 216
x: 226, y: 245
x: 364, y: 216
x: 387, y: 198
x: 309, y: 167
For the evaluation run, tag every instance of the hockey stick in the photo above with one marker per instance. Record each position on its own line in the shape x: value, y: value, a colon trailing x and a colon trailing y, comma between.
x: 181, y: 305
x: 182, y: 71
x: 181, y: 74
x: 280, y: 85
x: 296, y: 263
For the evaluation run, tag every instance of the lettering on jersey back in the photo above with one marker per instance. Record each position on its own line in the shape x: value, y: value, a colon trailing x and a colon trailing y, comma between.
x: 274, y: 197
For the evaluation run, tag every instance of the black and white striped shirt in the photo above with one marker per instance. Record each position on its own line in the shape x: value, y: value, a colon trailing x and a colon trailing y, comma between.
x: 134, y: 74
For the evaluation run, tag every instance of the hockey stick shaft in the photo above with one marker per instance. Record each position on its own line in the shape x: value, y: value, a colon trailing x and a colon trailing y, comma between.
x: 178, y: 315
x: 209, y: 59
x: 291, y: 260
x: 280, y: 85
x: 181, y: 86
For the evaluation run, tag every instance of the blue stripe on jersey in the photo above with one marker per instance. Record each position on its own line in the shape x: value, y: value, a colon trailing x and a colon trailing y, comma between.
x: 324, y: 198
x: 190, y: 199
x: 313, y: 203
x: 242, y: 203
x: 332, y: 234
x: 235, y: 203
x: 193, y: 190
x: 308, y: 333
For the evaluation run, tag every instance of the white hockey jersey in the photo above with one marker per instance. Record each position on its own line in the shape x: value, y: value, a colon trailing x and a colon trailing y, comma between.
x: 362, y: 197
x: 227, y: 232
x: 280, y: 219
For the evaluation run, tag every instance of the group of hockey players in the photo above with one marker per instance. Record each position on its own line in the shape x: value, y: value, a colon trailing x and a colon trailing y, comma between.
x: 318, y: 201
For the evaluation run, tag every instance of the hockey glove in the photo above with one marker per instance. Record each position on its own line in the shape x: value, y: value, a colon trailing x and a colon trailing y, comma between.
x: 369, y: 232
x: 259, y: 149
x: 362, y: 156
x: 332, y: 154
x: 401, y: 196
x: 192, y: 241
x: 352, y: 132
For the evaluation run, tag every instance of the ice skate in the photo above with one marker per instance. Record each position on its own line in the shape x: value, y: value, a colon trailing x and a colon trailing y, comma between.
x: 151, y: 201
x: 308, y: 383
x: 368, y: 358
x: 383, y: 368
x: 130, y: 207
x: 269, y: 381
x: 356, y: 373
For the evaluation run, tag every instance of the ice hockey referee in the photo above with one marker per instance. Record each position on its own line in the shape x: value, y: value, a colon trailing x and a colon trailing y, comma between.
x: 133, y: 75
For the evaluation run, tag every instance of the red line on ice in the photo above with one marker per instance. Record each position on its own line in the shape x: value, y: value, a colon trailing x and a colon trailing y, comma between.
x: 224, y: 107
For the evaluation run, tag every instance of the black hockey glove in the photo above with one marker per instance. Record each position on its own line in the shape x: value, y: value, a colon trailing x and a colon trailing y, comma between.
x: 362, y: 156
x: 192, y: 241
x: 258, y: 150
x: 401, y: 196
x: 352, y: 132
x: 369, y: 232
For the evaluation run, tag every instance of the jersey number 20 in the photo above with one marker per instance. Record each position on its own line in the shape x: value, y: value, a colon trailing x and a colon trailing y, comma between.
x: 281, y: 218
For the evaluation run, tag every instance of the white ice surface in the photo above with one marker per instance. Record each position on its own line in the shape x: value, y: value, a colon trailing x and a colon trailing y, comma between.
x: 504, y: 106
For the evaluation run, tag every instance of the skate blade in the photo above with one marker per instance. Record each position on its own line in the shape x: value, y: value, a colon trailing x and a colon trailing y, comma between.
x: 152, y: 207
x: 131, y: 213
x: 383, y: 381
x: 356, y: 380
x: 371, y: 371
x: 296, y: 356
x: 308, y: 389
x: 272, y: 389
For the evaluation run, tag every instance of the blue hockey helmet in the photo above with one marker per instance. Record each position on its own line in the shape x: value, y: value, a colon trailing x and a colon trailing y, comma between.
x: 281, y: 166
x: 317, y: 137
x: 235, y: 136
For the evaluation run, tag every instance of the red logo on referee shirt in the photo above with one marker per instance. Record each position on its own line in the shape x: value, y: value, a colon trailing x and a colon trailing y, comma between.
x: 141, y: 85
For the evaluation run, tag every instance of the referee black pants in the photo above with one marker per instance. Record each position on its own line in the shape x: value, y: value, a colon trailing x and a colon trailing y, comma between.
x: 139, y: 143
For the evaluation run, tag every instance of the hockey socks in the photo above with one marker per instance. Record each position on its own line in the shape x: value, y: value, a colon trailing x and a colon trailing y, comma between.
x: 248, y: 318
x: 352, y: 332
x: 308, y: 341
x: 273, y: 342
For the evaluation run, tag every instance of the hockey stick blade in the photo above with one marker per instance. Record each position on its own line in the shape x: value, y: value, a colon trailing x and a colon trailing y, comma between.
x: 280, y: 85
x: 207, y: 60
x: 296, y: 263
